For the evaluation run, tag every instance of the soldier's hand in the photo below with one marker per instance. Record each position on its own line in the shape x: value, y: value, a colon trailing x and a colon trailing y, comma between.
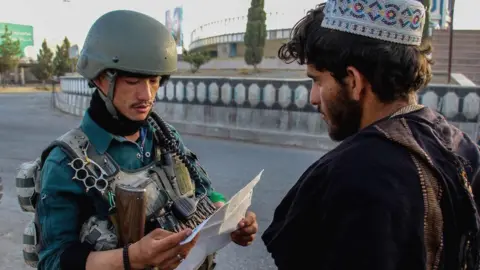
x: 161, y: 248
x: 246, y: 231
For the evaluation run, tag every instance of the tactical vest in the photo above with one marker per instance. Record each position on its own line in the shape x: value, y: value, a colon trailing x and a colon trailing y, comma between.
x: 171, y: 202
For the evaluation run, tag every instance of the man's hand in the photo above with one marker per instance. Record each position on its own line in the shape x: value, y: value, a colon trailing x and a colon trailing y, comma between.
x: 218, y: 204
x: 247, y: 228
x: 161, y: 248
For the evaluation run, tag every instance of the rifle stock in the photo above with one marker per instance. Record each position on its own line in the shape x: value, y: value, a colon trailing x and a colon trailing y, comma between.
x: 131, y: 213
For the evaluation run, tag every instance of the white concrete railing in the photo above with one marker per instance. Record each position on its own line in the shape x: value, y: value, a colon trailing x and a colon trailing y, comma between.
x: 264, y: 110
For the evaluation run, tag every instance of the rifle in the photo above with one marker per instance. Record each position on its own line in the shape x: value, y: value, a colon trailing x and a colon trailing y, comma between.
x: 131, y: 213
x: 131, y: 204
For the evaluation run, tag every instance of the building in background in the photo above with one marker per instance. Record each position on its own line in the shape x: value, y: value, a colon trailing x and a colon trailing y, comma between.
x: 440, y: 14
x: 223, y: 40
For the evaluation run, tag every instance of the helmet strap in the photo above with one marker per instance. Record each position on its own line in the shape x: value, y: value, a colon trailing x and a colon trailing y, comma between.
x: 104, y: 113
x: 108, y: 99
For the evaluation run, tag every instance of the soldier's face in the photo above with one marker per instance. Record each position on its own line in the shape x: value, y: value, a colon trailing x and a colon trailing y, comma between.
x: 134, y: 97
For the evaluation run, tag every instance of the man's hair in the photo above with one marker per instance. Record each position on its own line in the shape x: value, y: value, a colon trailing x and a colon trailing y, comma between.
x: 394, y: 70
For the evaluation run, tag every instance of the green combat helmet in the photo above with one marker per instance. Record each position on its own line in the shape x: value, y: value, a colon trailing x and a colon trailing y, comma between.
x: 127, y: 41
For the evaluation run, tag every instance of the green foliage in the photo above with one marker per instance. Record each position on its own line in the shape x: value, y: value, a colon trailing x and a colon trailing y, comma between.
x: 256, y: 33
x: 426, y: 28
x: 9, y: 52
x: 196, y: 59
x: 43, y: 69
x: 62, y: 63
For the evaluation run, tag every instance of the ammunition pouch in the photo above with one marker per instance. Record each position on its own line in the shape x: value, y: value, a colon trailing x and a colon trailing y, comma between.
x: 99, y: 233
x: 166, y: 206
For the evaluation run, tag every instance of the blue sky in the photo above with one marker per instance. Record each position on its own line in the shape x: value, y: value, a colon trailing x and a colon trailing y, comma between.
x: 54, y: 19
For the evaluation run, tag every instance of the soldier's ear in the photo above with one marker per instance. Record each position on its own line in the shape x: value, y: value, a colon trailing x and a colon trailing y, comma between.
x: 102, y: 83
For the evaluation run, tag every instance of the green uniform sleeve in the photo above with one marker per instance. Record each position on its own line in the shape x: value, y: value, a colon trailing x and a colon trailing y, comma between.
x: 57, y: 209
x: 205, y: 184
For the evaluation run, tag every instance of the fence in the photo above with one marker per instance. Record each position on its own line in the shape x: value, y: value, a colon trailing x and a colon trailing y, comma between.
x: 268, y: 111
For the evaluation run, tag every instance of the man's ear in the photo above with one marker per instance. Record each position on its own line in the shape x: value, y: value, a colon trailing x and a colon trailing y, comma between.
x: 356, y: 83
x: 101, y: 83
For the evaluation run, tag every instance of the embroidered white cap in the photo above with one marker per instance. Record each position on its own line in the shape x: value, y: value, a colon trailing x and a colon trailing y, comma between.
x: 399, y: 21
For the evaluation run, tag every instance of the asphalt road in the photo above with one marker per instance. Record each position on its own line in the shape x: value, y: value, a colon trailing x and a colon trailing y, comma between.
x: 28, y: 124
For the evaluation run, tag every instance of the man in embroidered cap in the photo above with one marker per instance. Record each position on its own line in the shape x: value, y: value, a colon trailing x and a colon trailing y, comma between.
x: 395, y: 193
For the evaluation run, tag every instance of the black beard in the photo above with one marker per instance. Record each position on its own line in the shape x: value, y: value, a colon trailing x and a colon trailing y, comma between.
x: 345, y: 116
x: 100, y: 115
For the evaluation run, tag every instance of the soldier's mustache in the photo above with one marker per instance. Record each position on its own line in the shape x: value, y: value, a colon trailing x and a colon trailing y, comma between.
x: 142, y: 104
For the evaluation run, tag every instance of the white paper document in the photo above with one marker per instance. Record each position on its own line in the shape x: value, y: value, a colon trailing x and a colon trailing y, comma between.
x: 215, y: 231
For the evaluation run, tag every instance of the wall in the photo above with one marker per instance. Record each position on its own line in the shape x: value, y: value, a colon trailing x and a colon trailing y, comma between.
x: 269, y: 51
x: 229, y: 37
x: 266, y: 111
x: 465, y: 52
x: 239, y: 63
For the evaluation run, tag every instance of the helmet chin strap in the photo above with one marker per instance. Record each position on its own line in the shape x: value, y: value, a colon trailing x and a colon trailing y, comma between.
x: 111, y: 76
x: 108, y: 99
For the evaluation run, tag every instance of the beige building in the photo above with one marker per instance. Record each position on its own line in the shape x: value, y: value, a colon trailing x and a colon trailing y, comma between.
x: 232, y: 45
x: 465, y: 55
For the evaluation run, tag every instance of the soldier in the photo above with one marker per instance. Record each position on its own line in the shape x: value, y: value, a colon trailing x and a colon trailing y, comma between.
x: 127, y: 56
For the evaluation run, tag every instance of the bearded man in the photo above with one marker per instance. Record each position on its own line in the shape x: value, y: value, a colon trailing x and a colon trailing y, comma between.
x: 395, y: 193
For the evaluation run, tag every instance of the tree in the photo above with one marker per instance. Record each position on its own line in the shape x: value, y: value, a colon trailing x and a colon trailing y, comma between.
x: 426, y: 28
x: 43, y: 69
x: 9, y: 53
x: 256, y: 33
x: 61, y: 62
x: 196, y: 59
